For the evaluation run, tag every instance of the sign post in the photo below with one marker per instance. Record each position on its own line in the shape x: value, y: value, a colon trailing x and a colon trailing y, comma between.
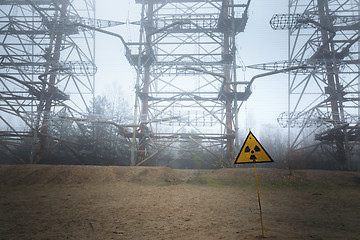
x: 253, y: 152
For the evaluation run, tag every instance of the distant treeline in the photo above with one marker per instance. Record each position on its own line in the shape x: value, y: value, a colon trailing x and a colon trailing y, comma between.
x: 96, y: 142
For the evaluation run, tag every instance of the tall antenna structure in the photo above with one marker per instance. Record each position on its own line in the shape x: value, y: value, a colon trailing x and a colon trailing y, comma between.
x: 186, y: 90
x: 324, y: 93
x: 47, y: 67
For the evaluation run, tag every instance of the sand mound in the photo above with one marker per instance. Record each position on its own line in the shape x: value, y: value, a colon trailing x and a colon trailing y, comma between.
x: 69, y: 174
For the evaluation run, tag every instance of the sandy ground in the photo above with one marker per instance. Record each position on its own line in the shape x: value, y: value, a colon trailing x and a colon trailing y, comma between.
x: 88, y: 202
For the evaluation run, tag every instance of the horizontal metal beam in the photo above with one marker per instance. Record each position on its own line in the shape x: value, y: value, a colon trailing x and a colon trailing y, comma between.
x: 24, y: 2
x: 175, y: 1
x: 182, y: 99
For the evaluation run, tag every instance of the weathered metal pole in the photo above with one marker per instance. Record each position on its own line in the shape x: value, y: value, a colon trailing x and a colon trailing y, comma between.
x: 146, y: 84
x: 228, y: 100
x: 136, y: 104
x: 48, y: 95
x: 332, y: 81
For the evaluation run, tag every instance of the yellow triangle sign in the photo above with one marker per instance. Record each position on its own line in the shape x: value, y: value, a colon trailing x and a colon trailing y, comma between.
x: 252, y: 152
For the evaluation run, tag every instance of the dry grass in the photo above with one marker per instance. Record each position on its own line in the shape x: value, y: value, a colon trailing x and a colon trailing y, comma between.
x: 89, y: 202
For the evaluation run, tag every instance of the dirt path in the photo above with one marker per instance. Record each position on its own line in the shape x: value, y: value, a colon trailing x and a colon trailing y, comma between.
x: 74, y: 202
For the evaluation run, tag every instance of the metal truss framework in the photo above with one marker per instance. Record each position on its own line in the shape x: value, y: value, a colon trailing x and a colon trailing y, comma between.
x: 324, y: 84
x: 46, y: 69
x: 187, y: 90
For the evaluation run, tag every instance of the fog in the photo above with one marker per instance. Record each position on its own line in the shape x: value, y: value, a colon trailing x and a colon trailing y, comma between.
x: 115, y: 80
x: 257, y: 44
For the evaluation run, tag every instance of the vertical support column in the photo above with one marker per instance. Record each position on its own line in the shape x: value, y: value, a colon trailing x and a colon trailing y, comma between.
x: 228, y: 101
x: 359, y: 66
x: 146, y: 85
x: 332, y: 85
x: 48, y: 94
x: 137, y: 84
x: 289, y: 150
x: 235, y: 107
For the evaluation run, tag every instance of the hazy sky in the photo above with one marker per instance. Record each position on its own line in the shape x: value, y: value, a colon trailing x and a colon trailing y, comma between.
x: 258, y: 44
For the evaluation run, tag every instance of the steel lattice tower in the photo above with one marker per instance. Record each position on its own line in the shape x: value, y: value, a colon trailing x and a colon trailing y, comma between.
x: 186, y: 88
x: 324, y: 68
x: 46, y: 69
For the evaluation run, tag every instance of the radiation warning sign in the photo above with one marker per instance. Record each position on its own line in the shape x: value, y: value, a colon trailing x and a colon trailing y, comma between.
x: 252, y: 152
